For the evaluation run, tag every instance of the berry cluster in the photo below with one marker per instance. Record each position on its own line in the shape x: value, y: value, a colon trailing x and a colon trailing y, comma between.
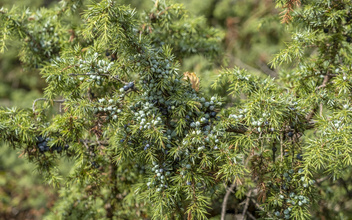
x: 42, y: 144
x: 127, y: 87
x: 45, y: 39
x: 160, y: 177
x: 92, y: 69
x: 93, y: 64
x: 92, y: 156
x: 156, y: 109
x: 108, y: 107
x: 288, y: 193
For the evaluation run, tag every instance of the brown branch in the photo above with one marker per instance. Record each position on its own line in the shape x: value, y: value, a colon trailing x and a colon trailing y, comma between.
x: 319, y: 181
x: 164, y: 11
x: 246, y: 204
x: 251, y: 216
x: 240, y: 130
x: 311, y: 114
x: 243, y: 65
x: 257, y: 205
x: 323, y: 86
x: 325, y: 82
x: 224, y: 203
x: 68, y: 67
x: 267, y: 70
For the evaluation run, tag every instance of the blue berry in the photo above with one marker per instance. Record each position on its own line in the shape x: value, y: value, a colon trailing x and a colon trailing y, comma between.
x: 131, y: 85
x: 299, y: 157
x: 40, y: 139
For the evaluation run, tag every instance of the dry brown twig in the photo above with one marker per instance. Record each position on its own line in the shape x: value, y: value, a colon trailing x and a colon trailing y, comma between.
x: 286, y: 14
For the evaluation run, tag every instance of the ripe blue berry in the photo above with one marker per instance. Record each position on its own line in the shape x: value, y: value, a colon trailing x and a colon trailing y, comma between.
x: 299, y: 157
x: 131, y: 85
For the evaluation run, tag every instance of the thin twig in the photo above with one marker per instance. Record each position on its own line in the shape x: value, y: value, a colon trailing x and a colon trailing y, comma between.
x: 44, y: 99
x: 68, y: 67
x: 325, y: 82
x: 319, y: 181
x: 85, y: 144
x: 327, y: 77
x: 228, y: 188
x: 97, y: 74
x: 323, y: 86
x: 243, y: 65
x: 281, y: 147
x: 257, y: 205
x: 321, y: 110
x: 246, y: 204
x: 251, y: 216
x: 267, y: 70
x: 238, y: 129
x: 311, y: 114
x: 224, y: 203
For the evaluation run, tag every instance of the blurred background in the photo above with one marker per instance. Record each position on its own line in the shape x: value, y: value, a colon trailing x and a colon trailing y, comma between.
x: 251, y: 36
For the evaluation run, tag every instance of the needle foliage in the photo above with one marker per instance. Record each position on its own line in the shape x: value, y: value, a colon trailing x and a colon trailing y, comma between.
x: 147, y: 143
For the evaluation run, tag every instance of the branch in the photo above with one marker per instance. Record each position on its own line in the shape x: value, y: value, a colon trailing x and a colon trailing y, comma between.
x: 242, y: 129
x: 319, y: 181
x: 246, y: 204
x: 321, y: 109
x: 325, y: 82
x: 267, y: 70
x: 97, y: 74
x: 327, y: 77
x: 286, y: 14
x: 44, y: 99
x: 311, y: 114
x: 251, y: 216
x: 257, y: 205
x: 243, y: 65
x: 224, y: 203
